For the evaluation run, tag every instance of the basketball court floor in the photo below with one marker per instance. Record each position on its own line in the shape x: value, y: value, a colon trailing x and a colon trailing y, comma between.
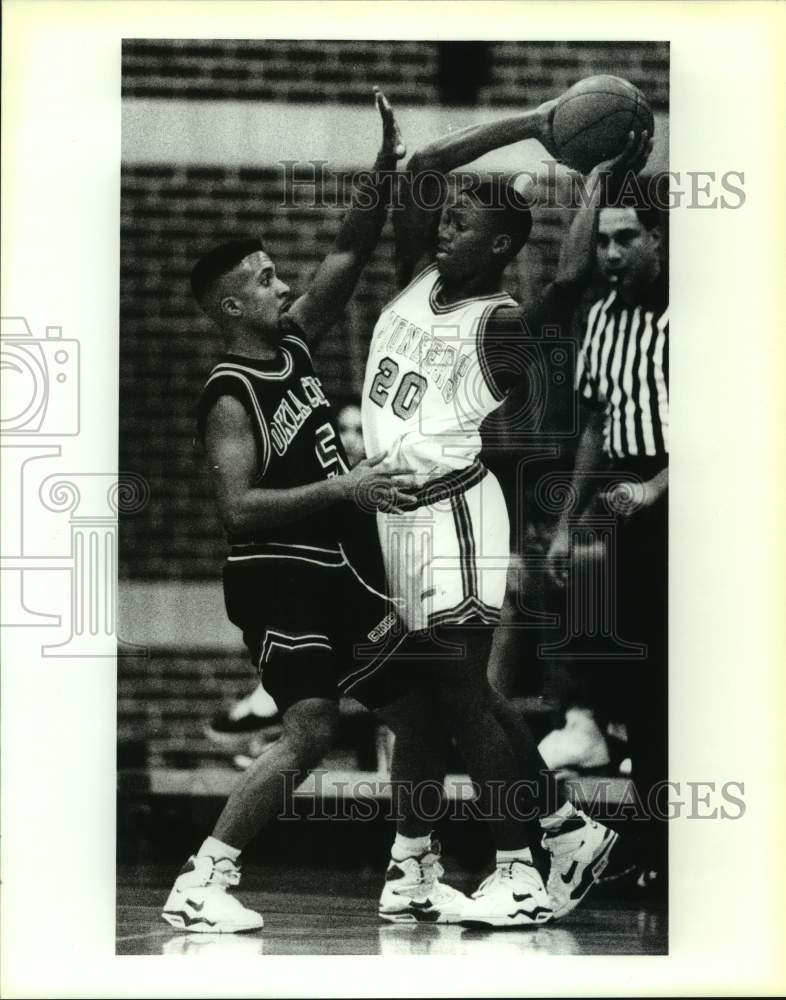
x: 313, y: 912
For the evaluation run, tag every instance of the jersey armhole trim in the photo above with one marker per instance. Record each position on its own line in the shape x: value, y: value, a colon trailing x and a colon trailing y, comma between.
x: 488, y: 376
x: 256, y: 411
x: 297, y: 341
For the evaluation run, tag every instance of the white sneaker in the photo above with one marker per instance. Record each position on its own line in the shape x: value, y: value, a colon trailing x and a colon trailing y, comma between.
x: 578, y: 858
x: 253, y: 719
x: 579, y: 743
x: 199, y: 900
x: 413, y: 892
x: 512, y: 896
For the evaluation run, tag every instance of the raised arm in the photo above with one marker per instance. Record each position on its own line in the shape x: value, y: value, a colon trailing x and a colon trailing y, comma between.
x: 422, y: 194
x: 334, y: 282
x: 245, y: 508
x: 577, y: 254
x: 559, y: 298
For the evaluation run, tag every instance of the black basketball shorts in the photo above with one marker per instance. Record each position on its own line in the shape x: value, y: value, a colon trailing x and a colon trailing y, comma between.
x: 314, y: 627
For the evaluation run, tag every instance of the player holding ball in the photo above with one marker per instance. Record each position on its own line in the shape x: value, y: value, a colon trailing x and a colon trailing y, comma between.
x: 444, y: 354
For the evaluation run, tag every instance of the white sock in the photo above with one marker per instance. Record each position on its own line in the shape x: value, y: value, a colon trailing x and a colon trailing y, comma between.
x: 553, y: 822
x: 505, y: 857
x: 218, y: 849
x: 409, y: 847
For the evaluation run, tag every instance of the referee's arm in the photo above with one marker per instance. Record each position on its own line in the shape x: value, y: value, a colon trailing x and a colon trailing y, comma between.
x: 589, y: 457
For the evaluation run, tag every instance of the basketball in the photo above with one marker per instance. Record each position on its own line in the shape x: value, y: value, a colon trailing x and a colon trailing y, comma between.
x: 593, y: 118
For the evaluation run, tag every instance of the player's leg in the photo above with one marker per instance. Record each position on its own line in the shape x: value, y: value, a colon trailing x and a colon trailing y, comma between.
x: 514, y: 893
x: 309, y: 732
x: 578, y: 846
x: 299, y: 674
x: 199, y: 900
x: 413, y: 890
x: 375, y: 667
x: 418, y: 766
x: 448, y: 562
x: 542, y: 795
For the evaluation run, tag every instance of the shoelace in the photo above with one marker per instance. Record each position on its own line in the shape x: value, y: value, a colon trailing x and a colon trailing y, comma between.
x: 430, y: 871
x: 228, y: 876
x: 502, y: 872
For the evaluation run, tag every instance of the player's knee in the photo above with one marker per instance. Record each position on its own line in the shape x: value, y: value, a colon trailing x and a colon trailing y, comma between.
x: 460, y: 698
x: 311, y: 727
x: 323, y: 735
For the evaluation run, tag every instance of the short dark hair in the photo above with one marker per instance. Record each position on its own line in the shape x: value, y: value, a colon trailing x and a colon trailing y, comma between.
x: 510, y: 210
x: 646, y: 195
x: 219, y: 261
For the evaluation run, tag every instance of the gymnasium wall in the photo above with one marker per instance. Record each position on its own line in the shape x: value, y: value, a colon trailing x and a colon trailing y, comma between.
x: 204, y: 126
x: 412, y: 72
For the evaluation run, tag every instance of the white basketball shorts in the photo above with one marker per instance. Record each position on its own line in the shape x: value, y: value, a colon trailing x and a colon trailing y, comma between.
x: 447, y: 560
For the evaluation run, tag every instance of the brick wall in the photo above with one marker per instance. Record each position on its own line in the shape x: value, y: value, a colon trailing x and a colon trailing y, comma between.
x: 536, y: 71
x: 316, y: 71
x: 411, y: 72
x: 165, y: 700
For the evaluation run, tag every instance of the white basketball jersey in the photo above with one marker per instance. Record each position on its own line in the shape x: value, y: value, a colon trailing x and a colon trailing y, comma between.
x: 425, y: 394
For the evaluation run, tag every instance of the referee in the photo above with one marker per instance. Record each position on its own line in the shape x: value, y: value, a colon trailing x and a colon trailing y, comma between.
x: 622, y: 381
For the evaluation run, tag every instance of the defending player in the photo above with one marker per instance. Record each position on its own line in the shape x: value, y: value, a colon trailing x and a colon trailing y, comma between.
x: 444, y: 354
x: 281, y: 476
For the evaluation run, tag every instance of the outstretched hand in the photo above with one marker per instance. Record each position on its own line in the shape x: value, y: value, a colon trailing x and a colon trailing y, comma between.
x: 393, y: 146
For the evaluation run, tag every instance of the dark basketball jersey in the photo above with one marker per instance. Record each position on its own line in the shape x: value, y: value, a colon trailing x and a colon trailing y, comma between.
x: 295, y: 430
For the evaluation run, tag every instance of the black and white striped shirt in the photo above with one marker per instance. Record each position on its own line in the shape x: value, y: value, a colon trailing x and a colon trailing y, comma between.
x: 623, y: 366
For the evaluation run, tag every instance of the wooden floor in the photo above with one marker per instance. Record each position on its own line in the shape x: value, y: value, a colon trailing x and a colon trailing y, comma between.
x: 310, y: 912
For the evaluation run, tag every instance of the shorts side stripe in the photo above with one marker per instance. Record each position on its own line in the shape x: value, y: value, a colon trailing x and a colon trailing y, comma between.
x: 284, y: 555
x: 290, y: 643
x: 469, y: 608
x: 359, y: 578
x: 466, y: 540
x: 347, y: 683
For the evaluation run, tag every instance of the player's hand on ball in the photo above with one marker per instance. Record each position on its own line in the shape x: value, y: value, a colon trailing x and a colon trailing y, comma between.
x: 374, y: 486
x: 545, y: 113
x: 632, y: 158
x: 393, y: 146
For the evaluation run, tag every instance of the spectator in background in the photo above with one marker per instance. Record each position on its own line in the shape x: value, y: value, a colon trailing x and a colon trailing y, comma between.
x: 350, y: 429
x: 622, y: 379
